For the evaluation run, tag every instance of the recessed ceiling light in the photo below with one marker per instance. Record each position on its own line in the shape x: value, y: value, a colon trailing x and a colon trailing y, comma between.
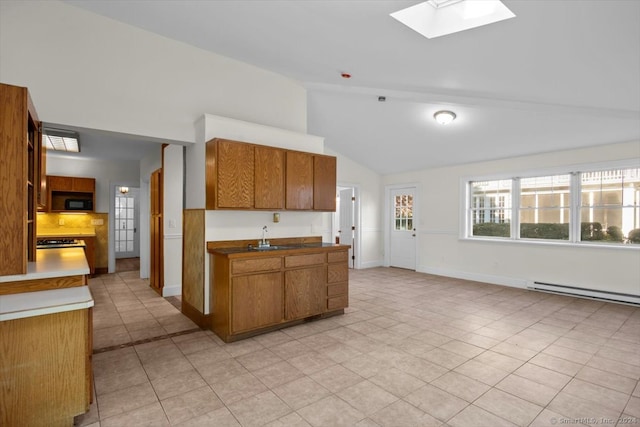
x: 61, y: 140
x: 435, y: 18
x: 444, y: 117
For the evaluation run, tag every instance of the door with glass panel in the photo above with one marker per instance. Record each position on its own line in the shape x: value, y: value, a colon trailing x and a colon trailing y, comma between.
x: 402, y: 247
x: 126, y: 223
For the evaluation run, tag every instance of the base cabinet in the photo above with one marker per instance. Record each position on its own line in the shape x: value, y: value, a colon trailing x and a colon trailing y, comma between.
x: 256, y: 301
x: 254, y: 292
x: 45, y: 367
x: 305, y: 292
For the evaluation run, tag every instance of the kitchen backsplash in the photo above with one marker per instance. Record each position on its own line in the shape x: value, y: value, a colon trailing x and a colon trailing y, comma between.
x: 73, y: 223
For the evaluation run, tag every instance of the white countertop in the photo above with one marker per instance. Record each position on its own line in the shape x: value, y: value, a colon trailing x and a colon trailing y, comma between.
x: 58, y: 262
x: 30, y: 304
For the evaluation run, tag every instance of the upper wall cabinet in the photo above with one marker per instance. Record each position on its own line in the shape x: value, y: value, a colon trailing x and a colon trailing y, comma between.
x: 269, y: 177
x: 241, y: 175
x: 69, y: 193
x: 324, y: 183
x: 299, y: 187
x: 20, y: 163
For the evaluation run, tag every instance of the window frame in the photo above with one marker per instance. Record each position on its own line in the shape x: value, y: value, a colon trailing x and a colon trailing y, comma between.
x: 575, y: 200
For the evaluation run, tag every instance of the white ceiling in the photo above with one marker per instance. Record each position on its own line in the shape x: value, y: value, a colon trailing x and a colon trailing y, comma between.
x: 561, y: 74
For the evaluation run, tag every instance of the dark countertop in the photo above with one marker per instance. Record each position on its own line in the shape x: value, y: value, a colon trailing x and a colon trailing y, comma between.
x: 279, y: 249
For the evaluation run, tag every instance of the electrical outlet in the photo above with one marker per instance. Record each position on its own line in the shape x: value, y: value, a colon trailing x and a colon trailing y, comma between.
x: 97, y: 221
x: 60, y: 221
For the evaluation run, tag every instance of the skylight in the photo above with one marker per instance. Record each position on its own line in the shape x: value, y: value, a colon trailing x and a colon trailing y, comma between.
x: 435, y: 18
x: 61, y: 140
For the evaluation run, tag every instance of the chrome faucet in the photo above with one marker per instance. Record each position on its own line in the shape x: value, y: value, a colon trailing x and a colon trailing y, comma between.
x: 264, y: 243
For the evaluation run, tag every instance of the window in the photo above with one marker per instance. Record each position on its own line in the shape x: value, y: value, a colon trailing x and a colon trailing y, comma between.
x: 600, y: 206
x: 491, y: 208
x: 403, y: 212
x: 610, y: 205
x: 544, y: 207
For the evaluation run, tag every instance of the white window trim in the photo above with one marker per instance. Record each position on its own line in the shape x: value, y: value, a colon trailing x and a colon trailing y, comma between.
x: 574, y: 231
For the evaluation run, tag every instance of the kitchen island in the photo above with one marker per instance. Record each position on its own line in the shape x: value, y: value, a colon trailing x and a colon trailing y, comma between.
x: 256, y: 290
x: 46, y: 330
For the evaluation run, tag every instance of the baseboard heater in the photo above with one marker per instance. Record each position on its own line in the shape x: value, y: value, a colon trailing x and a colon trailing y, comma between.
x: 586, y: 293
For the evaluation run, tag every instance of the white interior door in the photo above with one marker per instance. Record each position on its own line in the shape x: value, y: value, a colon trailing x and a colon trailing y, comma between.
x: 346, y: 221
x: 402, y: 245
x: 126, y: 223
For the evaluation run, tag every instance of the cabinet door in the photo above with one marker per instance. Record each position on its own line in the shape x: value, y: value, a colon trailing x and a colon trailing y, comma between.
x: 324, y: 183
x: 269, y: 178
x: 299, y: 177
x: 256, y: 301
x: 87, y: 185
x: 305, y: 292
x: 60, y: 183
x: 235, y: 164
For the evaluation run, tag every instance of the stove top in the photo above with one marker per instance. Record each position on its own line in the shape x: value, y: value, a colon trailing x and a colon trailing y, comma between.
x: 58, y: 243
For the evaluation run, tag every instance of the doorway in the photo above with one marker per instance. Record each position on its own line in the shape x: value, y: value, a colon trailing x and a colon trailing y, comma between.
x: 126, y: 225
x: 346, y: 230
x: 401, y: 202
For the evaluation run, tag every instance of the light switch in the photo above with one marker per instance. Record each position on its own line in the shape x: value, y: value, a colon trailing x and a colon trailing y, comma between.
x: 172, y: 223
x: 60, y: 221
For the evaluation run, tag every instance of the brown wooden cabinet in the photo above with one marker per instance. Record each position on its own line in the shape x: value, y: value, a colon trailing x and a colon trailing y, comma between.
x: 253, y: 292
x: 324, y: 183
x: 299, y: 186
x: 256, y: 301
x: 45, y: 365
x: 305, y: 292
x: 337, y: 280
x: 21, y: 142
x: 248, y: 176
x: 62, y: 188
x: 156, y: 261
x: 269, y: 177
x: 235, y: 169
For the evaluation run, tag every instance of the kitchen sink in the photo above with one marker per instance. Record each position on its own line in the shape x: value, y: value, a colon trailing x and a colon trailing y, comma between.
x: 269, y: 248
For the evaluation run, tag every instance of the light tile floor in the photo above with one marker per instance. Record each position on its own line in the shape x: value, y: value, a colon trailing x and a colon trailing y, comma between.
x: 412, y: 350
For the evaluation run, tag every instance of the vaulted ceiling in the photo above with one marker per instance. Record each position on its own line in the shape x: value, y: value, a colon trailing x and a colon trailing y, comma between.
x: 561, y: 74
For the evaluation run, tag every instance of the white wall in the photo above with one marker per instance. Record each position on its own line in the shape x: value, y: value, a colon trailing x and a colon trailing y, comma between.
x: 440, y: 251
x: 97, y: 73
x: 172, y: 177
x: 86, y: 70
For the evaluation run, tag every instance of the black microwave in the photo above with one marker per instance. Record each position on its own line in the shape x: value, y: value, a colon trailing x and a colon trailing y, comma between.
x: 78, y: 205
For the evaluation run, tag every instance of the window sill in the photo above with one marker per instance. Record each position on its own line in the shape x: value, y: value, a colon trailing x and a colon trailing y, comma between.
x: 564, y: 243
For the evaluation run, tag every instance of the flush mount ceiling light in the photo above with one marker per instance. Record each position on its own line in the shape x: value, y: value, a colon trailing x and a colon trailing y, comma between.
x: 435, y: 18
x: 61, y: 140
x: 444, y: 117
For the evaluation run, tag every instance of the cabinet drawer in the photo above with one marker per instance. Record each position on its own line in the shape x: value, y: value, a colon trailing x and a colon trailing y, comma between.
x: 337, y: 289
x: 255, y: 265
x: 335, y: 303
x: 337, y: 273
x: 338, y: 256
x: 300, y: 260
